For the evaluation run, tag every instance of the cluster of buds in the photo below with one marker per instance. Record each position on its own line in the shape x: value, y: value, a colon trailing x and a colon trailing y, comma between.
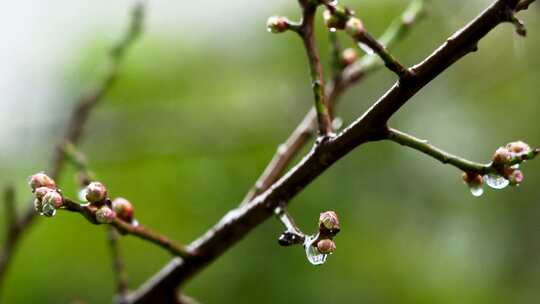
x: 506, y: 160
x: 47, y: 198
x: 277, y: 24
x: 328, y: 228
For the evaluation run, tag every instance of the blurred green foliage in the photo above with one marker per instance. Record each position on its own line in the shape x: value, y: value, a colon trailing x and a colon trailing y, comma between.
x: 190, y: 126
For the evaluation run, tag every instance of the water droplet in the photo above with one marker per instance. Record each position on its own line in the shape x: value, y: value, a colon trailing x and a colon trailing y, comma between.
x: 312, y: 253
x: 477, y: 191
x: 332, y: 29
x: 333, y: 2
x: 268, y: 29
x: 48, y: 210
x: 82, y: 195
x: 337, y: 123
x: 496, y: 181
x: 365, y: 48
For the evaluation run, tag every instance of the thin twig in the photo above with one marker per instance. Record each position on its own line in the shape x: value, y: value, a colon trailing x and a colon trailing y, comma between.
x: 306, y: 32
x: 88, y: 211
x: 369, y: 127
x: 352, y: 74
x: 76, y: 123
x: 444, y: 157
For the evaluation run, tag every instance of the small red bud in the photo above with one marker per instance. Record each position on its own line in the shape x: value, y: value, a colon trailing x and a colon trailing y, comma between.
x: 105, y: 215
x: 123, y: 209
x: 277, y: 24
x: 53, y: 198
x: 329, y: 220
x: 516, y: 177
x: 502, y: 156
x: 41, y: 180
x: 472, y: 179
x: 326, y: 246
x: 348, y: 57
x: 96, y: 192
x: 518, y: 147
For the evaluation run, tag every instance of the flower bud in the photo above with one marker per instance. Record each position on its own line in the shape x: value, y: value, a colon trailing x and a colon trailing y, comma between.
x: 95, y: 192
x: 502, y: 156
x: 326, y: 246
x: 41, y: 180
x: 329, y: 220
x: 472, y: 179
x: 52, y: 198
x: 334, y: 21
x: 518, y: 147
x: 277, y: 24
x: 40, y: 192
x: 105, y: 215
x: 123, y: 209
x: 355, y: 28
x: 516, y: 177
x: 348, y: 57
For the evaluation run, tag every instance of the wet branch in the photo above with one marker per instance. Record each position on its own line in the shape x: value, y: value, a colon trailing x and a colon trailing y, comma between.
x: 349, y: 76
x: 371, y: 126
x: 89, y: 212
x: 444, y: 157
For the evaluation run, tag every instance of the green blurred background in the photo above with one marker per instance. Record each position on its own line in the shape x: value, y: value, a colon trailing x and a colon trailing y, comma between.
x: 198, y: 112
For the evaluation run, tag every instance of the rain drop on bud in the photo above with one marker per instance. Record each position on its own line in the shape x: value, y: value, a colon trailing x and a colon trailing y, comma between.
x: 326, y: 246
x: 496, y: 181
x: 52, y: 198
x: 105, y: 215
x: 95, y: 192
x: 123, y: 209
x: 48, y: 210
x: 41, y: 180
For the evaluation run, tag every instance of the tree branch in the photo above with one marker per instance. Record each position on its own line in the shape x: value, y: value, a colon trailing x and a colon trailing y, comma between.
x: 349, y: 76
x: 76, y: 123
x: 89, y: 210
x: 369, y: 127
x: 444, y: 157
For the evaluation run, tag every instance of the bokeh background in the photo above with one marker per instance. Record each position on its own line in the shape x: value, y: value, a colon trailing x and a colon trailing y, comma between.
x: 204, y: 98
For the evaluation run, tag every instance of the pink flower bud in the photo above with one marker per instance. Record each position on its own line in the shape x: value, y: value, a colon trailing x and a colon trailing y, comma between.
x: 472, y: 179
x: 355, y: 28
x: 329, y: 220
x: 516, y: 177
x: 123, y: 209
x: 95, y: 192
x: 41, y: 180
x: 518, y: 147
x: 53, y: 198
x: 40, y: 192
x: 502, y: 156
x: 348, y: 57
x: 326, y: 246
x: 105, y: 215
x: 277, y: 24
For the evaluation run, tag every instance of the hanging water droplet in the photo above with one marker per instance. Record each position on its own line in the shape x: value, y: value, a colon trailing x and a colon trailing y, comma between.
x: 332, y: 29
x: 312, y: 253
x: 48, y: 210
x: 496, y: 181
x: 365, y: 48
x: 268, y: 29
x: 477, y: 191
x: 333, y: 2
x: 337, y: 123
